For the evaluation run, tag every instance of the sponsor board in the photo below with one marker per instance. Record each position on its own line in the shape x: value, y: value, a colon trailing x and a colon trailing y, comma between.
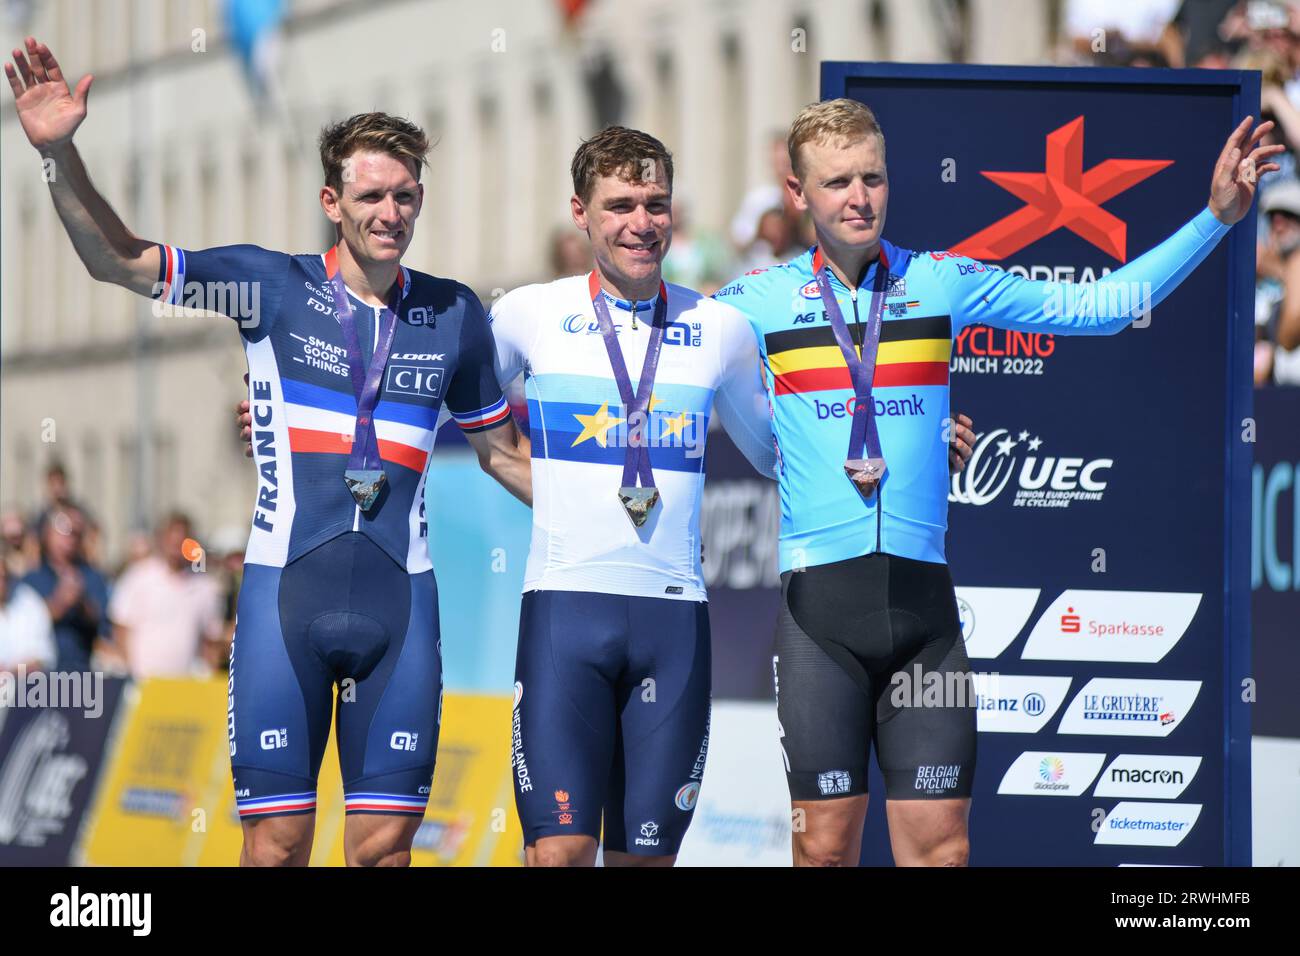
x: 1051, y: 773
x: 1015, y: 703
x: 1154, y: 776
x: 1132, y: 823
x: 50, y: 762
x: 1138, y: 627
x: 1135, y: 707
x: 1039, y: 477
x: 991, y: 618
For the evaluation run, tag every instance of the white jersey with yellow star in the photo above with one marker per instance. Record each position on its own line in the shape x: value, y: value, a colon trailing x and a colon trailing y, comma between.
x: 582, y: 538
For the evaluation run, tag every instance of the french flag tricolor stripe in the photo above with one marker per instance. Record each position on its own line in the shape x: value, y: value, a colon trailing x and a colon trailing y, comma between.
x: 285, y: 803
x: 172, y: 269
x: 384, y: 803
x: 484, y: 417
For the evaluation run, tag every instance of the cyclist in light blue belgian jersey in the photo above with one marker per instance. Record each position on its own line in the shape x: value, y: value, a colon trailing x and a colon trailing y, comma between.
x: 855, y: 337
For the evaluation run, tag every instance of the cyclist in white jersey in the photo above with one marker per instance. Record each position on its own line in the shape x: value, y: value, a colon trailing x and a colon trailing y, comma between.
x: 612, y: 673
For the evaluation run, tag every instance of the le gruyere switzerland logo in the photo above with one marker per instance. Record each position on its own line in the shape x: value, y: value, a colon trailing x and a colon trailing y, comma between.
x: 1063, y: 196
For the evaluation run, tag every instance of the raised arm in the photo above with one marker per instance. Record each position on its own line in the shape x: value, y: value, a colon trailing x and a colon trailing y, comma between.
x: 49, y: 115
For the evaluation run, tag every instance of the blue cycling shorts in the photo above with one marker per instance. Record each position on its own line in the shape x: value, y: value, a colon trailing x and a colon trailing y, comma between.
x: 611, y: 717
x: 343, y: 629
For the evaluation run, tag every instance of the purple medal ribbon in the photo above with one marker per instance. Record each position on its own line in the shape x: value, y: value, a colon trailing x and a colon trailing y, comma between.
x: 636, y: 465
x: 365, y: 472
x: 864, y: 472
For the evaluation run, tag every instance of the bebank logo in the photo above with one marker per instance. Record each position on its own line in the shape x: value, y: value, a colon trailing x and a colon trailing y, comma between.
x: 913, y: 405
x: 992, y: 617
x: 1049, y: 482
x: 1038, y: 774
x: 1148, y: 824
x: 1129, y: 707
x: 1063, y: 196
x: 1155, y: 776
x: 1016, y: 704
x: 1137, y: 627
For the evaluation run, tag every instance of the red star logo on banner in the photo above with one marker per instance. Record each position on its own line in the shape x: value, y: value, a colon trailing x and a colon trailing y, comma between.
x: 1064, y: 196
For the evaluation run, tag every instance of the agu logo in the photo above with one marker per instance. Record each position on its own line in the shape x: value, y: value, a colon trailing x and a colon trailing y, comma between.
x: 649, y: 834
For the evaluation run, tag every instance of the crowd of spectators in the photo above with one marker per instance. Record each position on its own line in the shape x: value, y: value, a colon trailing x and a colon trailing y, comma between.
x: 1261, y: 35
x: 167, y: 611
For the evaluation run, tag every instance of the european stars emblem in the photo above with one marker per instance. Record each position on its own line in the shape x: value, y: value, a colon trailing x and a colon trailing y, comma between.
x: 596, y: 426
x: 674, y: 426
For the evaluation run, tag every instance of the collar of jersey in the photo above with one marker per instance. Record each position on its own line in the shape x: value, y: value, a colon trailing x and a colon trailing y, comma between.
x: 815, y: 262
x: 645, y: 305
x: 330, y: 259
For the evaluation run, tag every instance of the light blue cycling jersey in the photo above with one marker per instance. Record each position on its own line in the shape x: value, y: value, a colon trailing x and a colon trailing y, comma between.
x: 929, y: 298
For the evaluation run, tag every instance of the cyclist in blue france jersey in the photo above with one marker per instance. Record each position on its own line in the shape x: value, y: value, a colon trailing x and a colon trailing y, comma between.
x: 354, y: 360
x: 855, y: 337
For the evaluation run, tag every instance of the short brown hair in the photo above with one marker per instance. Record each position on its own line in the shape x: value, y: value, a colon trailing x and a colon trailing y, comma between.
x: 616, y: 150
x: 375, y: 132
x: 840, y: 120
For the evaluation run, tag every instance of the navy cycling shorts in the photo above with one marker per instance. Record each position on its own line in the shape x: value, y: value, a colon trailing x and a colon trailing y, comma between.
x: 342, y: 617
x: 611, y: 717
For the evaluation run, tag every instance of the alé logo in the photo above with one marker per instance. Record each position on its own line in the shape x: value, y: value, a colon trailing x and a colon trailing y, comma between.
x: 1063, y: 196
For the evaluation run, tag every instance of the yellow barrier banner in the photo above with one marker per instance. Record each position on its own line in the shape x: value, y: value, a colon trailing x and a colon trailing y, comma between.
x: 167, y: 799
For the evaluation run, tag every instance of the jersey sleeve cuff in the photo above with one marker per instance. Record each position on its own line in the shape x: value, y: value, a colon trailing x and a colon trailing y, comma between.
x: 171, y: 274
x: 484, y: 418
x: 1208, y: 225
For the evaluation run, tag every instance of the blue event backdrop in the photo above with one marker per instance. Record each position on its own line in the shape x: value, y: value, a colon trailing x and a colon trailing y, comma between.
x: 1163, y: 404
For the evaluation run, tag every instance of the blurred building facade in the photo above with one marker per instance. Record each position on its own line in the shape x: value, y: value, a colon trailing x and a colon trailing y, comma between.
x: 140, y: 407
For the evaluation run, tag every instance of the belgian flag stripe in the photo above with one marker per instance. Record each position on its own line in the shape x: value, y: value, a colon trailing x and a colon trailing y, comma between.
x: 891, y: 330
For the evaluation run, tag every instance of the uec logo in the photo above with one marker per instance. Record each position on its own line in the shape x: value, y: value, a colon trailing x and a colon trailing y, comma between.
x: 580, y: 323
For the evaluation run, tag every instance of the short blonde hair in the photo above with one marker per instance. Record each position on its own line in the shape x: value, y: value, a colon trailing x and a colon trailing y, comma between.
x: 840, y: 121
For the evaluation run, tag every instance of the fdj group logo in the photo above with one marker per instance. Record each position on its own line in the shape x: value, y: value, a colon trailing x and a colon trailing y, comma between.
x: 1063, y: 196
x: 1042, y: 481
